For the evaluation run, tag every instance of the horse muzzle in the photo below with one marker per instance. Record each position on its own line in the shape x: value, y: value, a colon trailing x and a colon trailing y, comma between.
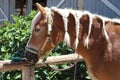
x: 31, y: 55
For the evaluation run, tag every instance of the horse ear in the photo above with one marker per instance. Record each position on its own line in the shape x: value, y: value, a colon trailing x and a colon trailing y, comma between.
x: 41, y: 9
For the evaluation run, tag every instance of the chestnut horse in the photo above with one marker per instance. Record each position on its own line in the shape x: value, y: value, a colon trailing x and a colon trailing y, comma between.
x: 95, y: 38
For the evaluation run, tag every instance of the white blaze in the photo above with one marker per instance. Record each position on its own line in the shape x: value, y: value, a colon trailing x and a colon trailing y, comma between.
x: 35, y: 20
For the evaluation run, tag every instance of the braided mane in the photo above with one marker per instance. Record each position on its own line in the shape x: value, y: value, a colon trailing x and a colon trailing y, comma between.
x: 77, y: 15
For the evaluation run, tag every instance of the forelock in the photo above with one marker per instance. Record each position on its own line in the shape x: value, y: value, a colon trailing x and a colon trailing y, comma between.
x: 35, y: 20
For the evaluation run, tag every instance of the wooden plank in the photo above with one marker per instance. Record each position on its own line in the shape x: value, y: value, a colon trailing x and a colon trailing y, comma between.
x: 29, y: 6
x: 98, y: 7
x: 1, y: 15
x: 80, y: 4
x: 4, y: 16
x: 5, y: 11
x: 89, y: 5
x: 12, y: 9
x: 67, y: 3
x: 28, y: 73
x: 73, y: 4
x: 60, y: 3
x: 5, y: 7
x: 8, y: 65
x: 111, y: 6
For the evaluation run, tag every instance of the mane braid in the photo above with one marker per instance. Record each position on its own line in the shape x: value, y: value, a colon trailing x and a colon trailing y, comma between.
x: 64, y: 13
x: 49, y: 19
x: 77, y: 15
x: 86, y: 42
x: 104, y: 30
x: 65, y: 20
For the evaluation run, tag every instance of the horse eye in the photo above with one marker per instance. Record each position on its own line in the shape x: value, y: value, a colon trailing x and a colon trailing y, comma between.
x: 37, y: 29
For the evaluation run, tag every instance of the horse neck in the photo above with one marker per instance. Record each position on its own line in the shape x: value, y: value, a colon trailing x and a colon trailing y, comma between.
x: 67, y: 28
x: 75, y: 30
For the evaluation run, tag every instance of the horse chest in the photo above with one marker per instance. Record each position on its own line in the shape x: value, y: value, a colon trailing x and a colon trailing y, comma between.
x: 92, y: 74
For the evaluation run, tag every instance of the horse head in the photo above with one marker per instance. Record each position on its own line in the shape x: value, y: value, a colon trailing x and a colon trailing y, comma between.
x: 39, y: 42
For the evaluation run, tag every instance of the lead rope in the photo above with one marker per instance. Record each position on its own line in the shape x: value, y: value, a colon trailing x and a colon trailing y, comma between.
x: 75, y: 67
x: 72, y: 65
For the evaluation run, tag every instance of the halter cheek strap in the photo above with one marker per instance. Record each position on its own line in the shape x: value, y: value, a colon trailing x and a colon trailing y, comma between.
x: 49, y: 22
x: 45, y: 43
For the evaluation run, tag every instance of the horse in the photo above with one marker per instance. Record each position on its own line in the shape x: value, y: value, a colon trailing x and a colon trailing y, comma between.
x: 94, y: 37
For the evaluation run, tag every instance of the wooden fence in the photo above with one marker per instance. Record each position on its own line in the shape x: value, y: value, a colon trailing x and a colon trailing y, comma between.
x: 28, y: 70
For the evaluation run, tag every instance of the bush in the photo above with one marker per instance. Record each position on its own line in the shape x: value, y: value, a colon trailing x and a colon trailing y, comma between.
x: 14, y: 36
x: 13, y: 39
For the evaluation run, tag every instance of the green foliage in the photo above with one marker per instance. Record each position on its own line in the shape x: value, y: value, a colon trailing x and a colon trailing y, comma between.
x: 13, y: 39
x: 62, y: 48
x: 14, y: 36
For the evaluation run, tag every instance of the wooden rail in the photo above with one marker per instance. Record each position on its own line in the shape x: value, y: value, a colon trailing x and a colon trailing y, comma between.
x: 28, y: 70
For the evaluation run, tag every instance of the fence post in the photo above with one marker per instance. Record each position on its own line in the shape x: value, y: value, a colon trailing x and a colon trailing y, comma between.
x: 28, y: 73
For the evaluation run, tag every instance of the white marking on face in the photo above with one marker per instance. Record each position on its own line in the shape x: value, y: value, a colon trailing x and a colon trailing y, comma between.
x: 33, y: 24
x: 35, y: 20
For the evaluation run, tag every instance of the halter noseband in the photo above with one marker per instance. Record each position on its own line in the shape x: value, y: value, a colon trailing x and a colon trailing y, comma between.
x: 49, y: 22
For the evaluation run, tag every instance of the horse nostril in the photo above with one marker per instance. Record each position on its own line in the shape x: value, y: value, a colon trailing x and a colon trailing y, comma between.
x: 31, y: 57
